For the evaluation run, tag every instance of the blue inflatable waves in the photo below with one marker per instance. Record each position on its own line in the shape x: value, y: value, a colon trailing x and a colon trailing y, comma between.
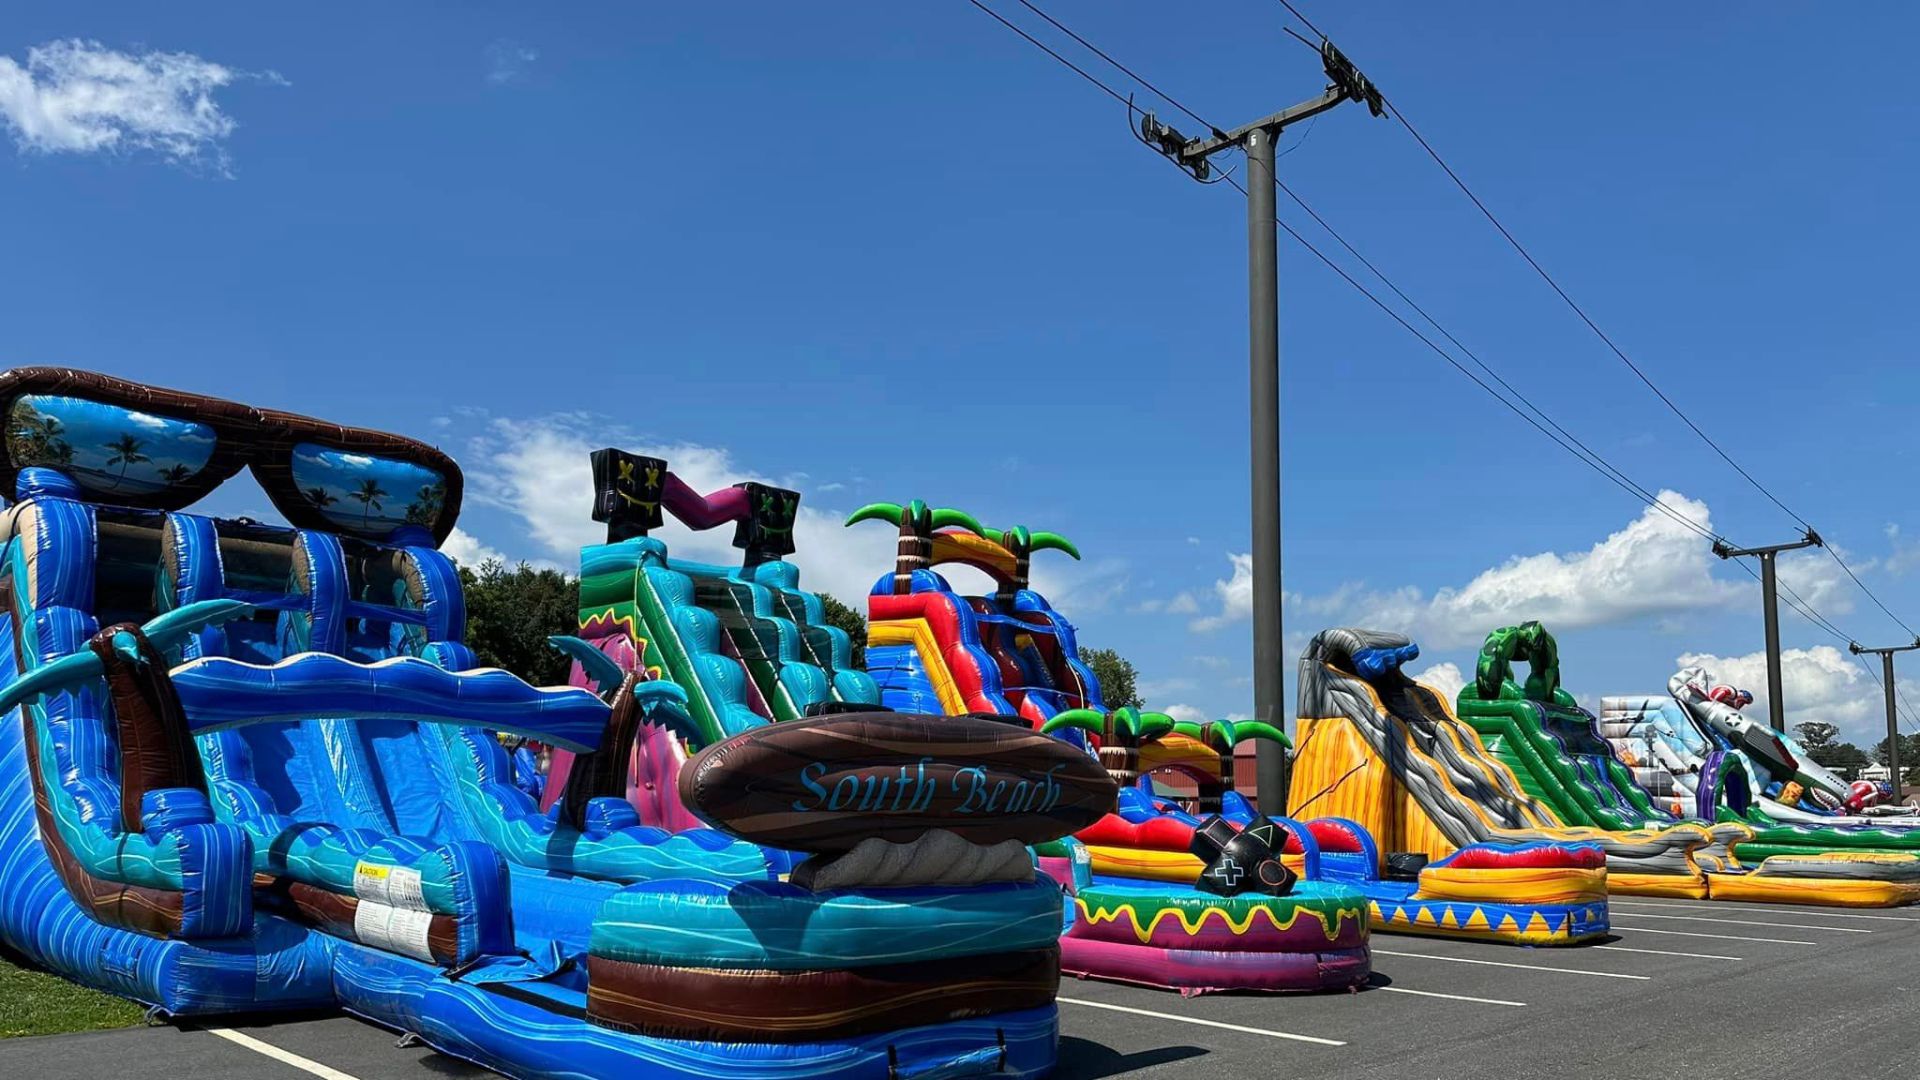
x: 248, y: 767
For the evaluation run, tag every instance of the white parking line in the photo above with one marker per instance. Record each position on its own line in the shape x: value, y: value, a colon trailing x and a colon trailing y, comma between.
x: 285, y: 1057
x: 1716, y: 937
x: 1753, y: 922
x: 1666, y: 952
x: 1196, y: 1020
x: 1449, y: 997
x: 1772, y: 910
x: 1377, y: 951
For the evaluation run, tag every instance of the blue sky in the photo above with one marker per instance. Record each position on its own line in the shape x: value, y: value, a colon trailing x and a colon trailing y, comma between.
x: 885, y: 251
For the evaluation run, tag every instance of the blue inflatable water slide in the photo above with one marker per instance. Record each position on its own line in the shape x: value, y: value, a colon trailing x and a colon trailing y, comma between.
x: 249, y: 767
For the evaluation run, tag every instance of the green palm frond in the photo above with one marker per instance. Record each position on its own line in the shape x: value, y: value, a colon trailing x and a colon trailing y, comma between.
x: 1087, y: 720
x: 887, y: 512
x: 1217, y: 735
x: 1256, y: 729
x: 1155, y: 725
x: 1047, y: 541
x: 947, y: 517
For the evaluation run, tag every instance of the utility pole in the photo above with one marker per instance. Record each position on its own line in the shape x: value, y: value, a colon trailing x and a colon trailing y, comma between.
x: 1893, y: 725
x: 1345, y: 83
x: 1776, y: 709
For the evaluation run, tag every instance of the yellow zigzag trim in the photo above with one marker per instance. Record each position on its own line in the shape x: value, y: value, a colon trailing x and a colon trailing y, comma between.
x: 632, y: 628
x: 1192, y: 928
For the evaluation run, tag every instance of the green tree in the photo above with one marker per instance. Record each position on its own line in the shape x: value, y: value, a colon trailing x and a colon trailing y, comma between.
x: 1119, y: 682
x: 512, y: 611
x: 1843, y: 758
x: 1909, y: 756
x: 850, y: 620
x: 1822, y: 742
x: 1815, y: 734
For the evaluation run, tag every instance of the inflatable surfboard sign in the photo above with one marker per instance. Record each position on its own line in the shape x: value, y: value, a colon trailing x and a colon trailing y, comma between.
x: 825, y: 784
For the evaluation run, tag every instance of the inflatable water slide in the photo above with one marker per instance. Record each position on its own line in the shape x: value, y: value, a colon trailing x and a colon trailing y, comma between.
x: 1696, y: 753
x: 1522, y: 763
x: 1538, y: 893
x: 247, y: 767
x: 1248, y: 925
x: 932, y: 650
x: 744, y: 644
x: 1558, y: 750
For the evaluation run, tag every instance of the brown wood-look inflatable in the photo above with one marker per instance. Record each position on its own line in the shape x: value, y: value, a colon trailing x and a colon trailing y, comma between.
x: 827, y: 783
x: 810, y: 1006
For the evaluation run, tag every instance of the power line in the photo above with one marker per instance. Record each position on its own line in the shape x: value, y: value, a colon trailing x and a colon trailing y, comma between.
x: 1869, y: 592
x: 1585, y: 318
x: 1600, y: 462
x: 1304, y: 21
x: 1514, y: 242
x: 1043, y: 47
x: 1559, y: 434
x: 1129, y: 72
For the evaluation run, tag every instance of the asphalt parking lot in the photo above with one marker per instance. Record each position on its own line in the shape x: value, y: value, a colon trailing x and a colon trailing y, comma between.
x: 1705, y: 989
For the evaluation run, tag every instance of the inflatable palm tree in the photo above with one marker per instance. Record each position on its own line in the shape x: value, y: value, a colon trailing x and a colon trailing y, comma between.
x: 1125, y: 732
x: 1022, y: 543
x: 917, y: 523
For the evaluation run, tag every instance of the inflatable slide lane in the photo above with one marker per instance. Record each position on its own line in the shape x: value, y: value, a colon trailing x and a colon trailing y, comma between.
x: 246, y: 767
x: 1377, y: 748
x: 1556, y: 751
x: 745, y: 645
x: 932, y: 650
x: 745, y: 642
x: 1532, y: 892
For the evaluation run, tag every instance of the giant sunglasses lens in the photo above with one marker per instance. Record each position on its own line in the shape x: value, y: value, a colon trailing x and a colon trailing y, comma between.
x: 119, y: 442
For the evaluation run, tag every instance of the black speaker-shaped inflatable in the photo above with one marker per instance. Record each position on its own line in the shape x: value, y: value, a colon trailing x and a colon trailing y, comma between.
x: 626, y: 492
x: 766, y: 532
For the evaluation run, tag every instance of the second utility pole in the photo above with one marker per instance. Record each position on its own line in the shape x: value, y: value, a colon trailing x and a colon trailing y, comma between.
x: 1770, y: 597
x: 1263, y: 376
x: 1893, y: 725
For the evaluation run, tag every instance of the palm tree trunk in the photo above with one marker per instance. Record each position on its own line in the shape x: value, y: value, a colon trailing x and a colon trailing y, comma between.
x: 1022, y: 571
x: 1121, y: 761
x: 915, y: 552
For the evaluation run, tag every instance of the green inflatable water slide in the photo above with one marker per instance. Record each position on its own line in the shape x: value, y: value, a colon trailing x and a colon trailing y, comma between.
x: 1554, y: 748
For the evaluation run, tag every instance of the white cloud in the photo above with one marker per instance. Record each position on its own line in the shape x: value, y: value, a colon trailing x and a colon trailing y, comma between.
x: 1183, y: 604
x: 1652, y: 567
x: 537, y: 470
x: 508, y: 60
x: 1821, y: 683
x: 1149, y: 689
x: 1445, y: 678
x: 464, y: 548
x: 1073, y: 587
x: 1817, y: 579
x: 76, y: 96
x: 1192, y: 714
x: 1234, y: 593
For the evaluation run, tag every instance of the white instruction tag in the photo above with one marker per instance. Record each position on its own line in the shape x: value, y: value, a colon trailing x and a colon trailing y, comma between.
x: 394, y: 929
x: 394, y: 886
